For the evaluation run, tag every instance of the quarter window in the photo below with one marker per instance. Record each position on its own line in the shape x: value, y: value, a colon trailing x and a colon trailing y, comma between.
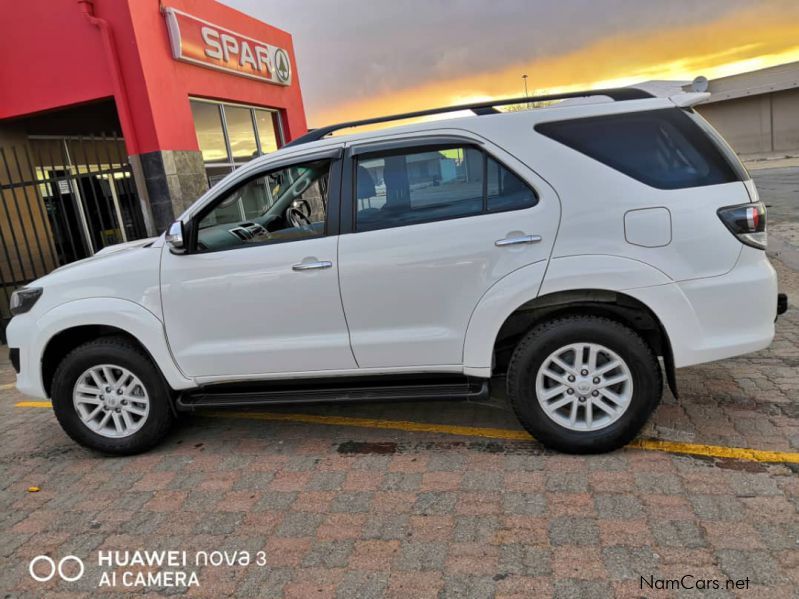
x: 408, y: 187
x: 662, y: 148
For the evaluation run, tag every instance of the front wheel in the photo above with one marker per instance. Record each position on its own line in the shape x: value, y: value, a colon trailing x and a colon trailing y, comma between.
x: 109, y: 396
x: 583, y: 384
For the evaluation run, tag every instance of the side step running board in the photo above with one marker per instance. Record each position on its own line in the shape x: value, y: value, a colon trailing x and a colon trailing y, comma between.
x: 209, y: 397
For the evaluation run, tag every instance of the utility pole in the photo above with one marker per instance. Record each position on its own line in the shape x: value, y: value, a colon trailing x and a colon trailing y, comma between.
x: 524, y: 78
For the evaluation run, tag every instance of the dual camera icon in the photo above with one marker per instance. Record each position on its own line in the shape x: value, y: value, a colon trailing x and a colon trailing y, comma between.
x: 65, y: 570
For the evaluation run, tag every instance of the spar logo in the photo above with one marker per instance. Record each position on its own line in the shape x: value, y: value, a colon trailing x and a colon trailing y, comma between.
x: 282, y: 65
x: 43, y: 567
x: 206, y: 44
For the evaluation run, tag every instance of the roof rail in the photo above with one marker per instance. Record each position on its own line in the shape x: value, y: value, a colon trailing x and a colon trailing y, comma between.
x: 479, y: 108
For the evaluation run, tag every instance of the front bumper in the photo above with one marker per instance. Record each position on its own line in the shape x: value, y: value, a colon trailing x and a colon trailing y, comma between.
x: 13, y: 357
x: 21, y: 337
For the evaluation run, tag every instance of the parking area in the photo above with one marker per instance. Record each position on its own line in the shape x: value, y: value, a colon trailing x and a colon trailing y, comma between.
x: 442, y: 499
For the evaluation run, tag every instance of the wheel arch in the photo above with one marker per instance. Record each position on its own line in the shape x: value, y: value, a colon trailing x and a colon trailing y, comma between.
x: 614, y: 305
x: 66, y: 327
x: 603, y: 285
x: 63, y: 342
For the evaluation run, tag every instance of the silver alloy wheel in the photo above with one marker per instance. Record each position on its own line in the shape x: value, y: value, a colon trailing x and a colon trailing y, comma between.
x: 584, y: 386
x: 111, y: 401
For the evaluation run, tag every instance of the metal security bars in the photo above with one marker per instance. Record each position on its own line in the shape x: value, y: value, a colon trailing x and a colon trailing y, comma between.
x: 62, y: 199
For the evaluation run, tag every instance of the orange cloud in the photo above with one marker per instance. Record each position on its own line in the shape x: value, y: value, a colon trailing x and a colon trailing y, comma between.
x: 741, y: 42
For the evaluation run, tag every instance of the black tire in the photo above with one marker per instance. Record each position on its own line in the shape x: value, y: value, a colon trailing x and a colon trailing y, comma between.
x: 121, y: 352
x: 544, y: 339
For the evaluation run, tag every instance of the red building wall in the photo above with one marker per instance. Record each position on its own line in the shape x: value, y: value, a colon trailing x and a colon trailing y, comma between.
x: 54, y: 57
x: 51, y: 57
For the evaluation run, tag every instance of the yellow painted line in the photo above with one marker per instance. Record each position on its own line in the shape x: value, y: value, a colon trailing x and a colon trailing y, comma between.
x: 33, y: 404
x: 717, y: 451
x: 714, y: 451
x: 8, y: 386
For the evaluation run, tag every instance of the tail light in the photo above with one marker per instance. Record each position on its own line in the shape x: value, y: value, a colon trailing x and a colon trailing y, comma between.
x: 747, y: 222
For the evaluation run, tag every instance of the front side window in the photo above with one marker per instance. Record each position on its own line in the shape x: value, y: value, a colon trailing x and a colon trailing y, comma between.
x: 288, y: 204
x: 408, y: 187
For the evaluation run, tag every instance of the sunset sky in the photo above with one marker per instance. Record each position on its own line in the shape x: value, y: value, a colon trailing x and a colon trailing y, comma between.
x: 364, y: 58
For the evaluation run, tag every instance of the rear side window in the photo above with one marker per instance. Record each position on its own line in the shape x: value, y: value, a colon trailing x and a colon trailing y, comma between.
x: 419, y: 185
x: 662, y: 148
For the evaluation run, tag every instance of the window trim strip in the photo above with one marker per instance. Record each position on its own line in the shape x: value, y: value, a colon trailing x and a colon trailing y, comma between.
x: 391, y: 145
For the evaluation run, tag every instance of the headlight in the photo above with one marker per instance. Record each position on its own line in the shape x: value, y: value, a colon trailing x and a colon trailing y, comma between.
x: 23, y: 299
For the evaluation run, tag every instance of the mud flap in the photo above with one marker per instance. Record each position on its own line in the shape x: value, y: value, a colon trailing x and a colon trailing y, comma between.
x: 671, y: 376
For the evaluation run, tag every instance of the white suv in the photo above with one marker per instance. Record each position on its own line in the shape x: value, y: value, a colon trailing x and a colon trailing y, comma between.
x: 567, y: 247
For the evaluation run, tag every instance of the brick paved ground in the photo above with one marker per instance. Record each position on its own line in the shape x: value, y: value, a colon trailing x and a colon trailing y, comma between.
x: 357, y: 512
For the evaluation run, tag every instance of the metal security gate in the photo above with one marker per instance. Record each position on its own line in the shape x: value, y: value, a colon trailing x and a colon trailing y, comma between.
x: 63, y: 199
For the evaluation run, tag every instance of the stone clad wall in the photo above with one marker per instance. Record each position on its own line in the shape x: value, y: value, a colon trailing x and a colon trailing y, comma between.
x: 171, y: 180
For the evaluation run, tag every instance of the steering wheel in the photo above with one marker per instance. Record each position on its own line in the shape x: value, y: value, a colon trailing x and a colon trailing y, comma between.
x: 297, y: 217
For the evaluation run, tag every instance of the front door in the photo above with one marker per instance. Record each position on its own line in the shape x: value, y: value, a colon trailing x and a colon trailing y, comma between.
x: 434, y: 227
x: 257, y: 293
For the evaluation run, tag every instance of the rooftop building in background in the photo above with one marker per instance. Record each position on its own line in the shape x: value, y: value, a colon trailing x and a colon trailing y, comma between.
x: 758, y: 111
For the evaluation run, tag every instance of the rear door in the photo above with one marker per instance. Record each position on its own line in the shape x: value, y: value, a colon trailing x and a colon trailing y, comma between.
x: 428, y: 227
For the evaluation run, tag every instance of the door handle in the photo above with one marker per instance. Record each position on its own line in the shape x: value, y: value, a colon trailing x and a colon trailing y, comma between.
x: 517, y: 240
x: 312, y: 265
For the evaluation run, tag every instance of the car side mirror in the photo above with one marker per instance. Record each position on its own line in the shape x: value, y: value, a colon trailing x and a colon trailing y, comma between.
x: 175, y: 238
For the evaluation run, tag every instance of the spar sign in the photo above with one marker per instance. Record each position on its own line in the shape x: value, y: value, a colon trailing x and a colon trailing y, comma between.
x: 205, y: 44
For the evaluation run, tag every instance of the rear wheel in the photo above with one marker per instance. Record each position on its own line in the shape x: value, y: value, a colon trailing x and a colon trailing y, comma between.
x: 109, y: 396
x: 583, y: 384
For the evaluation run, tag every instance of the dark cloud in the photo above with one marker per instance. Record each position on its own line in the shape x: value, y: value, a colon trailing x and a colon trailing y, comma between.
x: 352, y: 49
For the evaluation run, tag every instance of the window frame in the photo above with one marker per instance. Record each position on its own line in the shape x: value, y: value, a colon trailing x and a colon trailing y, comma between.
x: 331, y: 215
x: 380, y: 148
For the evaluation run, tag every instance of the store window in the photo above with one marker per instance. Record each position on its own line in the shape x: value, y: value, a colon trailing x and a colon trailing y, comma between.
x: 210, y: 135
x: 265, y: 121
x: 230, y: 135
x: 243, y: 144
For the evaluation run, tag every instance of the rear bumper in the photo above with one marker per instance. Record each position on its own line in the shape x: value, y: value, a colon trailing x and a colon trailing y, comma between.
x: 718, y: 317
